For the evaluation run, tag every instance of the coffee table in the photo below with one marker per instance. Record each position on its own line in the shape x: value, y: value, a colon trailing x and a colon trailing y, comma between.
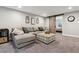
x: 46, y: 38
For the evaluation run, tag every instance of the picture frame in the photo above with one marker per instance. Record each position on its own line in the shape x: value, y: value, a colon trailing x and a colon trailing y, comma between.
x: 27, y: 19
x: 33, y: 21
x: 37, y: 20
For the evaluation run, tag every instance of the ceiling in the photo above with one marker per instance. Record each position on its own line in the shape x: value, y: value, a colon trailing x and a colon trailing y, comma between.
x: 45, y: 10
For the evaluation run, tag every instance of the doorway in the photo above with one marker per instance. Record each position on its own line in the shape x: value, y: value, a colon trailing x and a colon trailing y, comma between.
x: 55, y: 24
x: 59, y: 23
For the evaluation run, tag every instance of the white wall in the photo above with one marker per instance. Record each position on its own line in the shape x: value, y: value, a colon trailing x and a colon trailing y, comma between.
x: 47, y: 23
x: 12, y: 18
x: 71, y: 28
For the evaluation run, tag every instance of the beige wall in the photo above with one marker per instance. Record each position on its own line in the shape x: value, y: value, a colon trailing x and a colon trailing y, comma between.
x: 47, y: 23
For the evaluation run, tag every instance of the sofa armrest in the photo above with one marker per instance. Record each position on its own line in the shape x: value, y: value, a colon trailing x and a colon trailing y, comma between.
x: 12, y: 35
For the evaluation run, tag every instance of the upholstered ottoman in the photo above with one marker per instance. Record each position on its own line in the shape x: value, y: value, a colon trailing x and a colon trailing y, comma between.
x: 46, y: 38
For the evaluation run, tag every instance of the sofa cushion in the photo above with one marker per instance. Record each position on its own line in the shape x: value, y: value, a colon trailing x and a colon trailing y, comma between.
x: 37, y: 32
x: 34, y: 29
x: 37, y: 29
x: 24, y: 38
x: 40, y: 28
x: 25, y: 30
x: 30, y: 29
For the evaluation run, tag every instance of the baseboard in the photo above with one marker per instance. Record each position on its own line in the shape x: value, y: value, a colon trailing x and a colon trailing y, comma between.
x: 71, y: 35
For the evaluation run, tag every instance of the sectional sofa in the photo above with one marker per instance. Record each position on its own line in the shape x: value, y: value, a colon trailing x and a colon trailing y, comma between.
x: 24, y: 35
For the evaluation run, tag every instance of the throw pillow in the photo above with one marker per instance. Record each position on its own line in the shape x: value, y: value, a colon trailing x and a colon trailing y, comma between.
x: 17, y: 31
x: 40, y: 28
x: 25, y: 30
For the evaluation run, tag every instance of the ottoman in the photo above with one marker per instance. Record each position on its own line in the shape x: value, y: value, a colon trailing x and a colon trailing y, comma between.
x: 46, y: 38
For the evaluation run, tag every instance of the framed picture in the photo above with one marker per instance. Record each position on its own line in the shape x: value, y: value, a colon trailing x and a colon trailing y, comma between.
x: 37, y: 20
x: 33, y: 21
x: 27, y: 19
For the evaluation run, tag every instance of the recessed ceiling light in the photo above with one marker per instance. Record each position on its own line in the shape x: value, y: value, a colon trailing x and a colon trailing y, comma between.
x: 69, y: 8
x: 19, y: 6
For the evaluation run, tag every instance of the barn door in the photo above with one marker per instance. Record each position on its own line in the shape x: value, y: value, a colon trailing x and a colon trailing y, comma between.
x: 52, y: 24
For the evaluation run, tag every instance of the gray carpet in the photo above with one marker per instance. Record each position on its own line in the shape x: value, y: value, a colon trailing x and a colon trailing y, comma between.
x: 61, y: 44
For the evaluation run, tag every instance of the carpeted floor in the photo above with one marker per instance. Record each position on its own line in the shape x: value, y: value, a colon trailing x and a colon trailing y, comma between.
x: 60, y: 45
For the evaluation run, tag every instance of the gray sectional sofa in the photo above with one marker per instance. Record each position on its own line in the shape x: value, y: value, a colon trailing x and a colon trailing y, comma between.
x: 28, y: 37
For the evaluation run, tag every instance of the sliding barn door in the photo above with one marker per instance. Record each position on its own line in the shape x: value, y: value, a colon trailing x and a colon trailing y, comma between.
x: 52, y: 24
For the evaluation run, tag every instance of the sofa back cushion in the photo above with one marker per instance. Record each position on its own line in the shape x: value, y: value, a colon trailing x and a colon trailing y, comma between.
x: 40, y: 28
x: 30, y: 29
x: 25, y: 29
x: 34, y: 29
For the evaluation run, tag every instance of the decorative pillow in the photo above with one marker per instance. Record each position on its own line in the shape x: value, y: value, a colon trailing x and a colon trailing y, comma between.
x: 25, y: 30
x: 17, y: 31
x: 34, y: 29
x: 37, y: 29
x: 30, y: 29
x: 40, y: 28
